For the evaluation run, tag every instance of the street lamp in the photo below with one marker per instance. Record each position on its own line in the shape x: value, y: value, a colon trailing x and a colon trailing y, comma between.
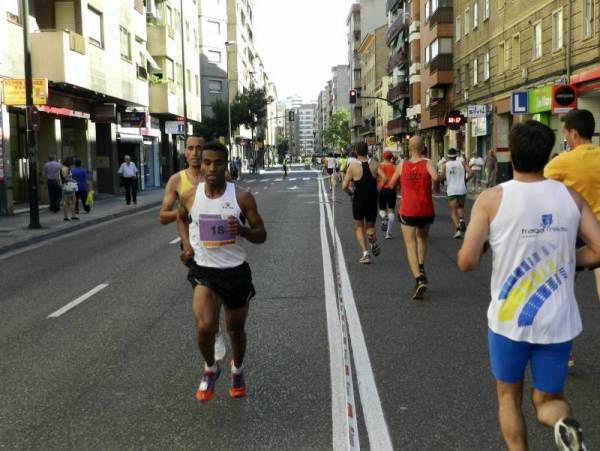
x: 227, y: 44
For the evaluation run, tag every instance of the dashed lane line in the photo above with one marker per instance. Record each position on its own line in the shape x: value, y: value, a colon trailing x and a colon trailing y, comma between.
x: 71, y: 305
x: 175, y: 241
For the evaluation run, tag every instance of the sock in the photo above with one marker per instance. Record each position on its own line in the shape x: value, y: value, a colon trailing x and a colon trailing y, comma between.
x: 461, y: 219
x: 422, y: 268
x: 382, y: 214
x: 391, y: 217
x: 235, y: 370
x: 365, y: 252
x: 210, y: 369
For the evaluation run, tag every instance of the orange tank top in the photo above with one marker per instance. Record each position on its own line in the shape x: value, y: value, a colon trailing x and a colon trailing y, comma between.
x: 388, y: 169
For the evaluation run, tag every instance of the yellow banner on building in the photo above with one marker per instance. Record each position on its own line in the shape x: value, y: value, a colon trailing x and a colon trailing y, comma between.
x: 13, y: 91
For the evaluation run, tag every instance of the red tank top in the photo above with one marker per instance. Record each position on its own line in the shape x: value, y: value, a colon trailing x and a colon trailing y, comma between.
x: 388, y: 169
x: 415, y: 186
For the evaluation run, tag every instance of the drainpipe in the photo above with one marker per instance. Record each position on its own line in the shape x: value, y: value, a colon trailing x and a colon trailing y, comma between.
x: 569, y: 33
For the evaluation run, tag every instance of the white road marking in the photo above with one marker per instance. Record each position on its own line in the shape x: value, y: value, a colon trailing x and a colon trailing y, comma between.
x: 258, y: 192
x: 79, y: 300
x: 293, y: 187
x: 250, y: 181
x: 266, y: 187
x: 265, y: 180
x: 277, y: 180
x: 377, y: 429
x: 293, y: 179
x: 175, y: 241
x: 305, y: 178
x: 339, y: 417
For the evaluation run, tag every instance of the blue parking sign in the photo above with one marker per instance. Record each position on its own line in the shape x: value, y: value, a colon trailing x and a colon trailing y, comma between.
x: 518, y: 102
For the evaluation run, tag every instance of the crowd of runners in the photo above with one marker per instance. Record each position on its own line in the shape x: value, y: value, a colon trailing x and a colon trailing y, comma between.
x: 540, y: 226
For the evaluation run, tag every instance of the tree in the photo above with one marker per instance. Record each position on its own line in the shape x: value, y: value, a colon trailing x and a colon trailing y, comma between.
x: 252, y: 107
x: 217, y: 124
x: 337, y: 135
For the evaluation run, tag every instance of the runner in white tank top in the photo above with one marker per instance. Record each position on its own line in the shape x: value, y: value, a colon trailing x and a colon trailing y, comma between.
x: 532, y: 224
x: 456, y: 173
x: 211, y: 222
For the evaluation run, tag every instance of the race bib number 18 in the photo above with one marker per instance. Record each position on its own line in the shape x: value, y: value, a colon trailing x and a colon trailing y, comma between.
x: 213, y: 231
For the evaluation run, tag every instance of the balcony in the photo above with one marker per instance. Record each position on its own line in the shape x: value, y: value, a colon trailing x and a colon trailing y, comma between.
x: 442, y: 15
x: 398, y: 59
x: 439, y: 109
x: 60, y: 56
x: 366, y: 130
x: 397, y: 126
x: 163, y: 99
x: 398, y: 92
x: 441, y: 63
x: 401, y: 23
x: 161, y: 42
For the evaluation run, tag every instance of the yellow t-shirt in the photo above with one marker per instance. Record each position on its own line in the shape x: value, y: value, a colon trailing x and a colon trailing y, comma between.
x: 184, y: 183
x: 579, y: 169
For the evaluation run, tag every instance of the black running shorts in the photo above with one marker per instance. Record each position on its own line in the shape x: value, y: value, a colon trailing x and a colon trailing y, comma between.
x: 233, y: 285
x: 364, y: 207
x: 387, y: 198
x: 416, y: 221
x: 329, y: 171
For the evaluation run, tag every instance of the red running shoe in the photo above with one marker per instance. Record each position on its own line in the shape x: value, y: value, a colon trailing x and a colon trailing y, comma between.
x: 238, y: 386
x: 206, y: 390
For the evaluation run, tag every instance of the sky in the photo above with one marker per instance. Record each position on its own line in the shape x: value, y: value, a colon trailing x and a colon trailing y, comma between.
x: 299, y: 42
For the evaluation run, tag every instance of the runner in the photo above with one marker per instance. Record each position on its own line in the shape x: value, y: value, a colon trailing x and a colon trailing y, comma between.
x: 416, y: 214
x: 210, y: 224
x: 330, y: 166
x: 178, y: 184
x: 456, y: 173
x: 343, y: 164
x: 362, y: 176
x: 387, y: 195
x: 532, y: 224
x: 285, y: 166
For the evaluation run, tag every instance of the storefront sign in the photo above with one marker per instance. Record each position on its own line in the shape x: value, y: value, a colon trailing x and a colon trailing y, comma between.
x: 518, y: 102
x: 174, y: 127
x: 564, y: 98
x: 135, y: 119
x: 478, y: 127
x: 14, y: 91
x: 63, y: 111
x: 474, y: 111
x: 540, y: 99
x: 502, y: 155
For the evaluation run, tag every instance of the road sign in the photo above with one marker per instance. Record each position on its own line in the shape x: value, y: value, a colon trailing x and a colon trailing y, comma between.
x: 174, y: 128
x: 564, y: 98
x: 518, y: 102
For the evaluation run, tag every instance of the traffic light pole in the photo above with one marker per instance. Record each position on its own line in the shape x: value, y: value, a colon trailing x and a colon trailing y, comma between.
x: 378, y: 98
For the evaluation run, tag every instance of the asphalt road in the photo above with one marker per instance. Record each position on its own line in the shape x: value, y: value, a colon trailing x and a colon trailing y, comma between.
x: 120, y: 370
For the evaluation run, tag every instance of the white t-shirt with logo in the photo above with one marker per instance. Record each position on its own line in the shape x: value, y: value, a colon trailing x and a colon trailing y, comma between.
x: 455, y: 178
x: 533, y: 240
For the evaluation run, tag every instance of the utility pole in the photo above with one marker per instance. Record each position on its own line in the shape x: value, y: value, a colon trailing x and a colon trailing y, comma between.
x: 185, y: 116
x: 34, y: 208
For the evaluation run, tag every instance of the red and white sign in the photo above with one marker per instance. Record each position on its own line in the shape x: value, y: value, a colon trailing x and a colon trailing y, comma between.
x: 63, y: 111
x: 564, y: 98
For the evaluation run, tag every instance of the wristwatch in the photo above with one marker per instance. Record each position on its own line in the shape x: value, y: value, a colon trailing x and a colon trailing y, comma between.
x: 243, y: 231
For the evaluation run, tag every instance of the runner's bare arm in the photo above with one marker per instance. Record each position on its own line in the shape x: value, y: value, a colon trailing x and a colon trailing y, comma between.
x: 347, y: 180
x: 396, y: 176
x: 256, y: 233
x: 167, y: 213
x: 589, y: 232
x: 381, y: 174
x: 468, y: 171
x: 183, y: 226
x: 433, y: 172
x: 478, y: 231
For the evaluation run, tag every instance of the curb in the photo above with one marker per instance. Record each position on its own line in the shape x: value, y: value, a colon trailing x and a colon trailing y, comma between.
x: 79, y: 226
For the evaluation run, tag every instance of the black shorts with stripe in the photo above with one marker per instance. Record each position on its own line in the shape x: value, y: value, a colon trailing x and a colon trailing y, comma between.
x: 233, y: 285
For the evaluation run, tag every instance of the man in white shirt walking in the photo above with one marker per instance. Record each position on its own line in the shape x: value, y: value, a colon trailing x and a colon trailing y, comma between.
x: 456, y: 173
x: 532, y: 224
x: 476, y: 165
x: 129, y: 172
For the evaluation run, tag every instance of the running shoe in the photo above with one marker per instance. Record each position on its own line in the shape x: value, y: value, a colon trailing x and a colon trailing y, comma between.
x: 388, y: 236
x: 462, y: 226
x: 568, y: 435
x: 206, y: 390
x: 420, y: 288
x: 220, y: 347
x: 238, y: 385
x: 458, y: 234
x: 384, y: 224
x: 365, y: 259
x: 571, y: 362
x: 375, y: 249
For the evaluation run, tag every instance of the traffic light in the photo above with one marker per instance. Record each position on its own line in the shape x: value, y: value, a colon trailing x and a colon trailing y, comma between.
x: 353, y: 95
x: 291, y: 116
x: 454, y: 120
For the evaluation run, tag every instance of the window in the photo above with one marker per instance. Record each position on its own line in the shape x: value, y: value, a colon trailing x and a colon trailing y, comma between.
x: 506, y: 54
x: 486, y: 9
x: 475, y: 72
x: 179, y: 69
x: 486, y: 66
x: 213, y: 27
x: 188, y: 80
x: 588, y: 18
x: 169, y: 69
x: 475, y: 14
x: 214, y: 56
x: 557, y: 30
x: 537, y: 40
x: 427, y: 10
x: 169, y: 21
x: 187, y: 31
x: 125, y: 44
x: 466, y: 22
x: 215, y: 86
x: 458, y: 80
x: 95, y: 28
x: 501, y: 58
x: 467, y: 76
x: 457, y: 29
x: 516, y: 52
x: 13, y: 12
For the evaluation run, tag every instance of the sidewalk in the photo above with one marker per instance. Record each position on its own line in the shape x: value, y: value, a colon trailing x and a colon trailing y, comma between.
x: 15, y: 232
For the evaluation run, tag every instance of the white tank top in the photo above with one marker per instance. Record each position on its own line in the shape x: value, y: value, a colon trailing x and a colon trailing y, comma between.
x: 455, y: 178
x: 533, y: 239
x: 213, y: 247
x: 331, y: 163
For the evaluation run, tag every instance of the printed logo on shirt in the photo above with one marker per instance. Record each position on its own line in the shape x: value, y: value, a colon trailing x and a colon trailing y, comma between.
x: 545, y: 227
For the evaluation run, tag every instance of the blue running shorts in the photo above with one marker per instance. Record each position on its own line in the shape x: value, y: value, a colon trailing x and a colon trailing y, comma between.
x: 549, y: 362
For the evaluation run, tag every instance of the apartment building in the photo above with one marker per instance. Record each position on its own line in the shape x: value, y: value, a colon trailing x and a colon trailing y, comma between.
x: 436, y: 75
x: 307, y: 127
x: 92, y: 65
x: 501, y: 47
x: 404, y: 91
x: 340, y: 87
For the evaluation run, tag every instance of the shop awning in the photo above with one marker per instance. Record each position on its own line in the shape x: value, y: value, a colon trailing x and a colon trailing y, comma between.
x: 149, y: 58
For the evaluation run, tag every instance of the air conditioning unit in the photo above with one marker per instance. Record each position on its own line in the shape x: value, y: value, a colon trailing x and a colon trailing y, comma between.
x: 436, y: 93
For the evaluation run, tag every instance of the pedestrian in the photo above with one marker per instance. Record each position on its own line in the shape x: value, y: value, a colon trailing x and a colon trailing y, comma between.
x: 69, y: 188
x: 129, y: 174
x: 211, y: 223
x: 51, y: 172
x: 456, y: 173
x: 531, y: 224
x: 81, y: 176
x: 387, y: 195
x: 285, y: 166
x: 491, y: 168
x: 476, y: 165
x: 361, y: 184
x: 416, y: 177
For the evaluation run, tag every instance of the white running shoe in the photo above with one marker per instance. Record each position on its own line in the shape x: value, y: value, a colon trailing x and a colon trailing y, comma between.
x: 568, y: 435
x: 458, y: 234
x: 220, y: 347
x: 388, y: 236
